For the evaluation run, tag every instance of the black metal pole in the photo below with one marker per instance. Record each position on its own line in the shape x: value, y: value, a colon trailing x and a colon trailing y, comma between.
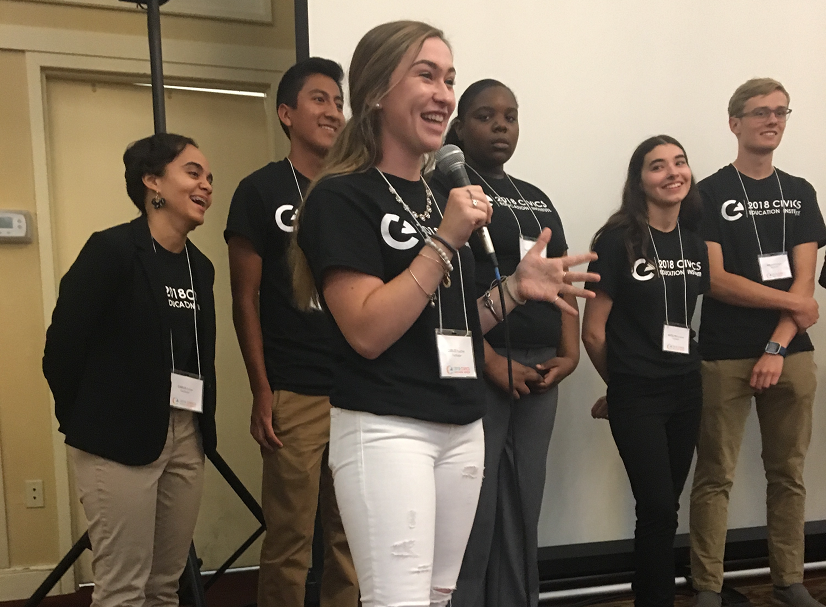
x: 240, y: 490
x: 62, y: 567
x: 235, y: 556
x: 153, y: 25
x: 302, y: 30
x: 193, y: 572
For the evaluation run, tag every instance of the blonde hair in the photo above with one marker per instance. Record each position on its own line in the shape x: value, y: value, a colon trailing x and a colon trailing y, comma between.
x: 358, y: 146
x: 756, y: 87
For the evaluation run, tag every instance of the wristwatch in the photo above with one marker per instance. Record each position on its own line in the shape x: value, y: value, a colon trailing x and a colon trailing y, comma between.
x: 775, y: 348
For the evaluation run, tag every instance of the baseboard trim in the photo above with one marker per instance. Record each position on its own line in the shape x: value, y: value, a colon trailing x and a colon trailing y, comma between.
x: 611, y: 562
x: 19, y: 583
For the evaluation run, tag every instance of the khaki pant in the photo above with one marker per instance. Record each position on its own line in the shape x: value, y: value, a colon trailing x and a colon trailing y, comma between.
x: 141, y: 518
x: 293, y: 478
x: 785, y: 415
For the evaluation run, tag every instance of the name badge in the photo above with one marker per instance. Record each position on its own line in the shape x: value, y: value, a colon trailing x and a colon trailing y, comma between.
x: 187, y: 392
x: 456, y: 359
x: 676, y: 339
x: 526, y: 244
x: 774, y: 266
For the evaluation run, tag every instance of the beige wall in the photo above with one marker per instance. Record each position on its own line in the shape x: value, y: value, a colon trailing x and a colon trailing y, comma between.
x: 279, y: 34
x: 26, y: 433
x: 25, y: 416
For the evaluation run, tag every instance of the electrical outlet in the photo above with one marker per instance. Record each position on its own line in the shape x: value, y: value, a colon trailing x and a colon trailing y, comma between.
x: 34, y: 494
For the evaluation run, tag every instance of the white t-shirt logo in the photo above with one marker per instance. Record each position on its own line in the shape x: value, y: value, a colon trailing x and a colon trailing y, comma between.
x: 726, y: 209
x: 399, y: 245
x: 280, y: 212
x: 643, y: 270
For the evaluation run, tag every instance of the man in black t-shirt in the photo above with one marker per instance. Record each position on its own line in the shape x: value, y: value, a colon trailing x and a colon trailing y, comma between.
x: 287, y: 352
x: 763, y: 228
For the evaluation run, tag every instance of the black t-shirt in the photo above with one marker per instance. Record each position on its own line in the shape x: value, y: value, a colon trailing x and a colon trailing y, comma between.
x: 732, y: 332
x: 536, y: 324
x: 634, y: 331
x: 353, y: 221
x: 297, y: 350
x: 182, y: 301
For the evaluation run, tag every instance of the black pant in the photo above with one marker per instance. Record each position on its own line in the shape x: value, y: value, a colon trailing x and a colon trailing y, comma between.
x: 655, y: 424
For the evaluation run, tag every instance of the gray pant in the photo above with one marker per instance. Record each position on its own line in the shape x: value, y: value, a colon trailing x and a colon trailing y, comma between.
x: 504, y: 531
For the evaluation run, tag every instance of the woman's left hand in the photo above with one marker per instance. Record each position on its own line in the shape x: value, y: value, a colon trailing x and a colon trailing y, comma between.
x: 538, y: 278
x: 600, y: 408
x: 552, y: 371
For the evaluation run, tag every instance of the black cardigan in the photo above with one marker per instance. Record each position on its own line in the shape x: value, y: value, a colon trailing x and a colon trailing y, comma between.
x: 107, y: 357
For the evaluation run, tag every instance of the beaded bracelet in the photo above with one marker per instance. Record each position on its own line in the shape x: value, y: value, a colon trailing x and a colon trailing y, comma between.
x: 442, y: 254
x: 447, y: 266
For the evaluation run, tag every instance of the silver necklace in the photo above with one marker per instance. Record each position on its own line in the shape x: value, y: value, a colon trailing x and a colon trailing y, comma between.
x: 421, y: 217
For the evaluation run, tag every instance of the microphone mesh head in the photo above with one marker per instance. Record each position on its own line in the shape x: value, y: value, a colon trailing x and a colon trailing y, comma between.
x: 448, y: 157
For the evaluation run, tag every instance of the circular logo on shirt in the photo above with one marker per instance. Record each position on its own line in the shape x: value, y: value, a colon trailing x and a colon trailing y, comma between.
x: 281, y: 213
x: 394, y: 231
x: 732, y: 210
x: 643, y: 270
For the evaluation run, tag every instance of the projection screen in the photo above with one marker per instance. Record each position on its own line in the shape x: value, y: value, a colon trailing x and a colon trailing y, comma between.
x: 594, y: 78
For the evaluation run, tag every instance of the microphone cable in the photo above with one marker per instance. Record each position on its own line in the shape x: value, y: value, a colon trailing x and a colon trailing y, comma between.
x: 510, y: 438
x: 450, y: 161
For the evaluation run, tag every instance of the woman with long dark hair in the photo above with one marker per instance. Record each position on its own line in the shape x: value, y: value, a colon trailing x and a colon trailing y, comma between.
x: 130, y: 360
x: 387, y: 260
x: 637, y: 332
x: 500, y: 562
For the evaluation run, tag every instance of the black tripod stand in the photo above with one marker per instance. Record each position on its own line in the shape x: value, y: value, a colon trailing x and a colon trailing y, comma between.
x: 192, y: 572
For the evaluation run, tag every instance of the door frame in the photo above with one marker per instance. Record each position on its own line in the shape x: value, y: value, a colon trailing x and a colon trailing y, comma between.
x: 4, y: 535
x: 51, y: 53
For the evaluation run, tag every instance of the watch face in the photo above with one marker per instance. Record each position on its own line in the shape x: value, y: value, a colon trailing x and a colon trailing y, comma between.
x: 773, y: 347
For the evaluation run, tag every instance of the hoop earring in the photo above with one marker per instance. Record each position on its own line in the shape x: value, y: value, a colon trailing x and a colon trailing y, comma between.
x: 158, y: 201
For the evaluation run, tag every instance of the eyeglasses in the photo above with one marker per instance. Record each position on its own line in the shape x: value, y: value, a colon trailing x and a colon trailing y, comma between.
x: 762, y: 113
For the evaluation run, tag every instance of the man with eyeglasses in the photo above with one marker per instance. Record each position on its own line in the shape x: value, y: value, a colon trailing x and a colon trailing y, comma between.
x: 763, y: 228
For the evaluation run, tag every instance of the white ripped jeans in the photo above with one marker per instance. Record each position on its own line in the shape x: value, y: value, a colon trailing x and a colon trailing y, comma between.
x: 407, y: 491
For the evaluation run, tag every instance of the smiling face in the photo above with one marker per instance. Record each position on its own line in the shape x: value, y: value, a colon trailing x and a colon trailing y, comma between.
x: 415, y: 111
x: 490, y: 129
x: 666, y: 176
x: 318, y: 114
x: 760, y: 135
x: 186, y: 185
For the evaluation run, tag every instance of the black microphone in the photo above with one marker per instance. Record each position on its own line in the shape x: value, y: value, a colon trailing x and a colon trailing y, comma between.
x: 450, y: 161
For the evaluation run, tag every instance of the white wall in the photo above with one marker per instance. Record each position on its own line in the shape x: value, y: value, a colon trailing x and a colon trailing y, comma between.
x: 593, y: 79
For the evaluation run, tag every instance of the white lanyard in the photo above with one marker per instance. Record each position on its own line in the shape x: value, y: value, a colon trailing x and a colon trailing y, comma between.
x: 297, y: 187
x: 461, y: 284
x: 659, y: 271
x: 749, y: 213
x: 315, y: 303
x: 423, y: 232
x: 194, y: 312
x: 522, y: 198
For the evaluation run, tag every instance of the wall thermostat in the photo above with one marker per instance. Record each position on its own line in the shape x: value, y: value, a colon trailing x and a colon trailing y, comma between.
x: 15, y: 227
